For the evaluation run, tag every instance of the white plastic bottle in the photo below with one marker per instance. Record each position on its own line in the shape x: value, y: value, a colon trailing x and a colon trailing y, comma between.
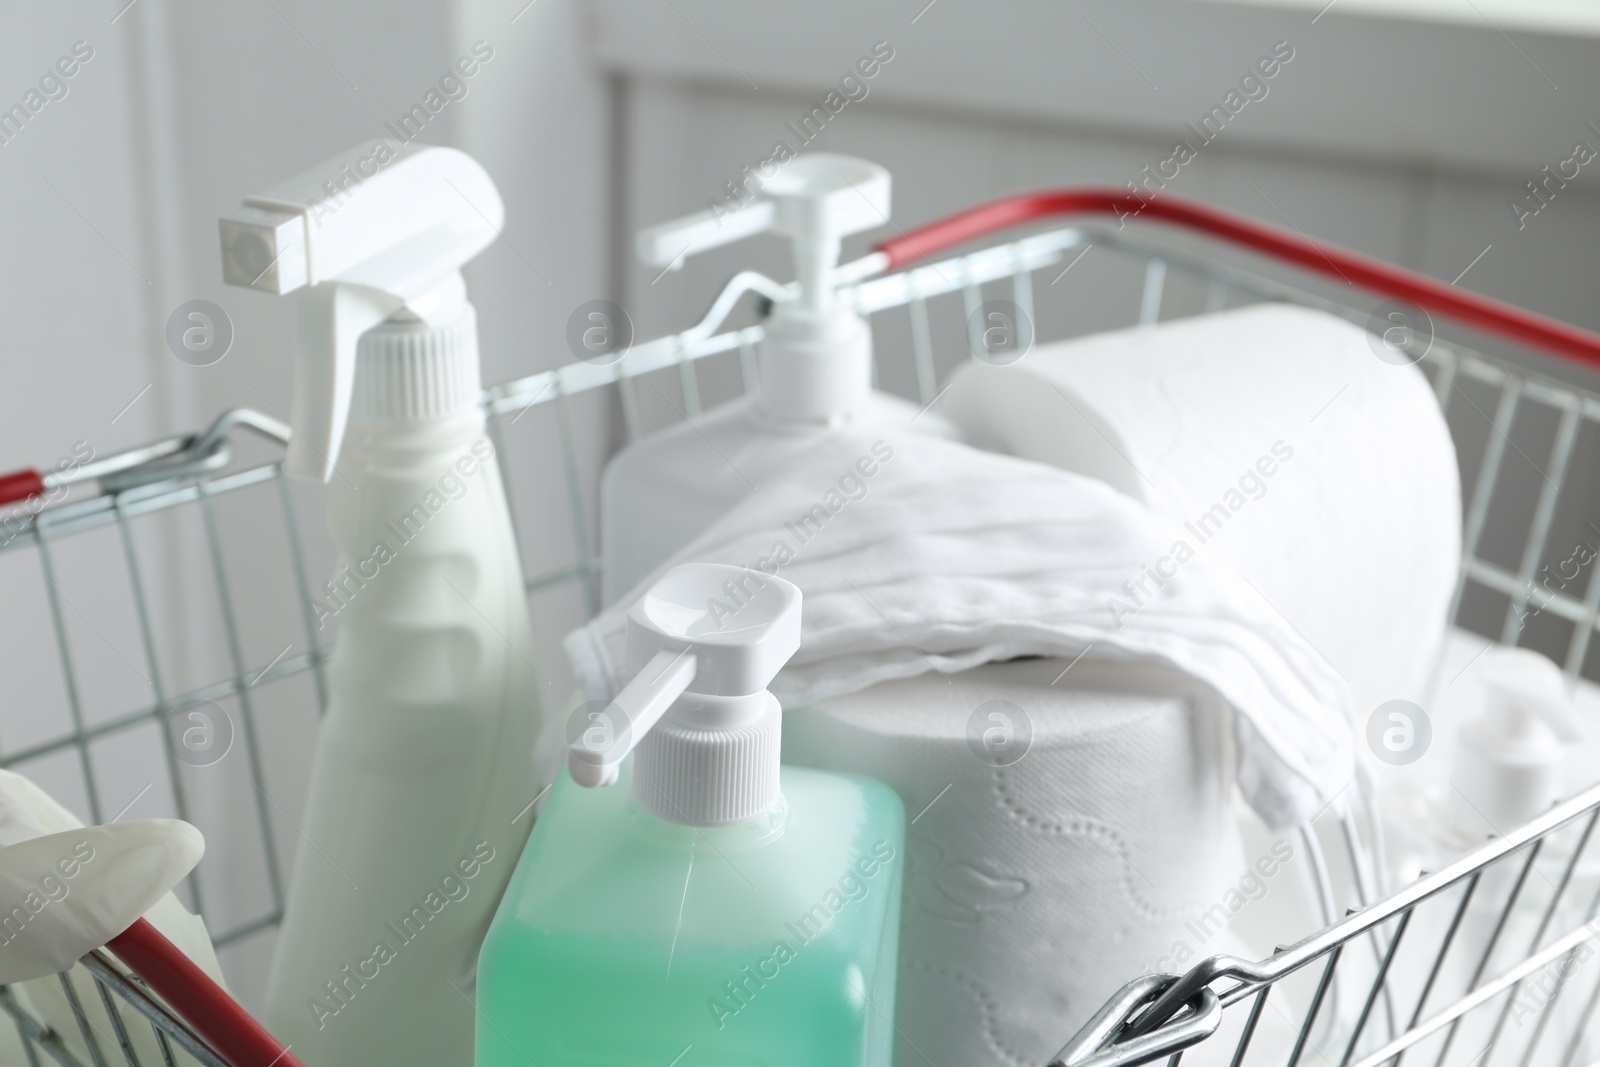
x: 424, y: 759
x: 1507, y: 765
x: 1510, y: 763
x: 814, y: 368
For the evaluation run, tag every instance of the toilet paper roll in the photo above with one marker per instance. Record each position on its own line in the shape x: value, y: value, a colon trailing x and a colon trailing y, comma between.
x: 1065, y: 828
x: 1275, y: 440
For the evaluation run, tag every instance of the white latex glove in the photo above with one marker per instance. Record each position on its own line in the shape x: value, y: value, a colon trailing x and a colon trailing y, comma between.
x: 28, y: 812
x: 66, y: 893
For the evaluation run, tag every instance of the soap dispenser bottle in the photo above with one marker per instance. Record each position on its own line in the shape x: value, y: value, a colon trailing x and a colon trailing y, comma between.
x: 714, y: 903
x: 1510, y: 762
x: 813, y: 365
x: 1507, y: 765
x: 424, y: 759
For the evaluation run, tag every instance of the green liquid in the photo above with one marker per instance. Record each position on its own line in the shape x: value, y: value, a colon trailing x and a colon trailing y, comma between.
x: 624, y: 941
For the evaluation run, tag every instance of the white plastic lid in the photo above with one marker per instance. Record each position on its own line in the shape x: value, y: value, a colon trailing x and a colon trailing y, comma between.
x: 410, y: 371
x: 704, y: 643
x: 1509, y: 764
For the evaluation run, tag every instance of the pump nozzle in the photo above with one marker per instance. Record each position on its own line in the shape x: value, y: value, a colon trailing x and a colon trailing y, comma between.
x: 630, y: 716
x: 381, y: 231
x: 1510, y: 761
x: 815, y: 360
x: 814, y: 200
x: 704, y: 644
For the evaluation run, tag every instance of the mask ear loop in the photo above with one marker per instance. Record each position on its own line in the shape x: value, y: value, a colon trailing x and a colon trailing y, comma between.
x: 1319, y: 888
x: 1367, y: 861
x: 1368, y: 882
x: 1365, y: 858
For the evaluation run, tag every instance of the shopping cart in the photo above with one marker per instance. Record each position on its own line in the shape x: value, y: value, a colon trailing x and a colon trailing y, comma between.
x: 144, y: 992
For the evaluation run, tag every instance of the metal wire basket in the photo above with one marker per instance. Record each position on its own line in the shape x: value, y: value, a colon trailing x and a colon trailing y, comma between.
x: 199, y: 476
x: 1496, y: 938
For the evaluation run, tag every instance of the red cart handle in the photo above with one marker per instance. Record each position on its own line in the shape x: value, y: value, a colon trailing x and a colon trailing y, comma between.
x: 20, y: 485
x: 229, y: 1029
x: 1506, y: 321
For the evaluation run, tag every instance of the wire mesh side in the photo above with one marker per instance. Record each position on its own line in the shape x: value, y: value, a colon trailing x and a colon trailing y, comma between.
x: 166, y: 710
x: 116, y: 1020
x: 1479, y: 957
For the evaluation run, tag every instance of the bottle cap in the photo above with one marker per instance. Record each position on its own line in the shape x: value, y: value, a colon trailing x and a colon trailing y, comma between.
x: 1510, y: 762
x: 410, y: 371
x: 703, y: 644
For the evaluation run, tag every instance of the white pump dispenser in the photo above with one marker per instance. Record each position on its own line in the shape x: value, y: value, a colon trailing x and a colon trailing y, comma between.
x: 698, y: 711
x: 1510, y: 761
x: 815, y: 362
x: 424, y: 758
x: 814, y: 370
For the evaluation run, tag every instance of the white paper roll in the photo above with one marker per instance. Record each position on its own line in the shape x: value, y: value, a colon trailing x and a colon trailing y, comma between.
x: 1275, y: 440
x: 1036, y: 888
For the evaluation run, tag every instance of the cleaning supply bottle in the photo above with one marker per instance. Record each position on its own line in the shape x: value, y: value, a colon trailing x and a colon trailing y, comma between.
x: 1510, y: 762
x: 716, y: 903
x: 424, y: 760
x: 1507, y: 765
x: 814, y: 371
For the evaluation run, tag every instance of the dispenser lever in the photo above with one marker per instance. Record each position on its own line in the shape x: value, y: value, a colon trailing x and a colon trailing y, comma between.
x: 814, y: 200
x: 594, y: 758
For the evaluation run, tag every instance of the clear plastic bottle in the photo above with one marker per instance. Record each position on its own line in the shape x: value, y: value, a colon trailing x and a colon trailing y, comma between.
x: 713, y: 905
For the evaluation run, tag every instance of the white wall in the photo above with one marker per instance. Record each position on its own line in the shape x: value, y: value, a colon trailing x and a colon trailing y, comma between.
x: 88, y: 274
x: 1396, y: 138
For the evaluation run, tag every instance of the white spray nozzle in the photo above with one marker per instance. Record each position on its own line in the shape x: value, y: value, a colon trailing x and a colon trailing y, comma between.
x: 814, y: 199
x: 380, y: 231
x: 716, y: 633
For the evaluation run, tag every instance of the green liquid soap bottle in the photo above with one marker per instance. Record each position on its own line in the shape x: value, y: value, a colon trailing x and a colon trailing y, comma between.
x: 717, y: 910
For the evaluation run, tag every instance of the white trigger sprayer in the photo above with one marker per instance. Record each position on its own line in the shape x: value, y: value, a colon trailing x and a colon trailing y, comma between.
x: 816, y: 356
x: 378, y: 233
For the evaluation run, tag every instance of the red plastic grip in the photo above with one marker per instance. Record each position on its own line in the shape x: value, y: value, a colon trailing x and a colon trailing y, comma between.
x: 233, y: 1032
x: 1491, y: 316
x: 20, y: 485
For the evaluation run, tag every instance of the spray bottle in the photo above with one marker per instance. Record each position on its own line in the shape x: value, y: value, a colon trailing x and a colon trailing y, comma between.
x: 697, y: 895
x: 814, y: 371
x: 424, y: 758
